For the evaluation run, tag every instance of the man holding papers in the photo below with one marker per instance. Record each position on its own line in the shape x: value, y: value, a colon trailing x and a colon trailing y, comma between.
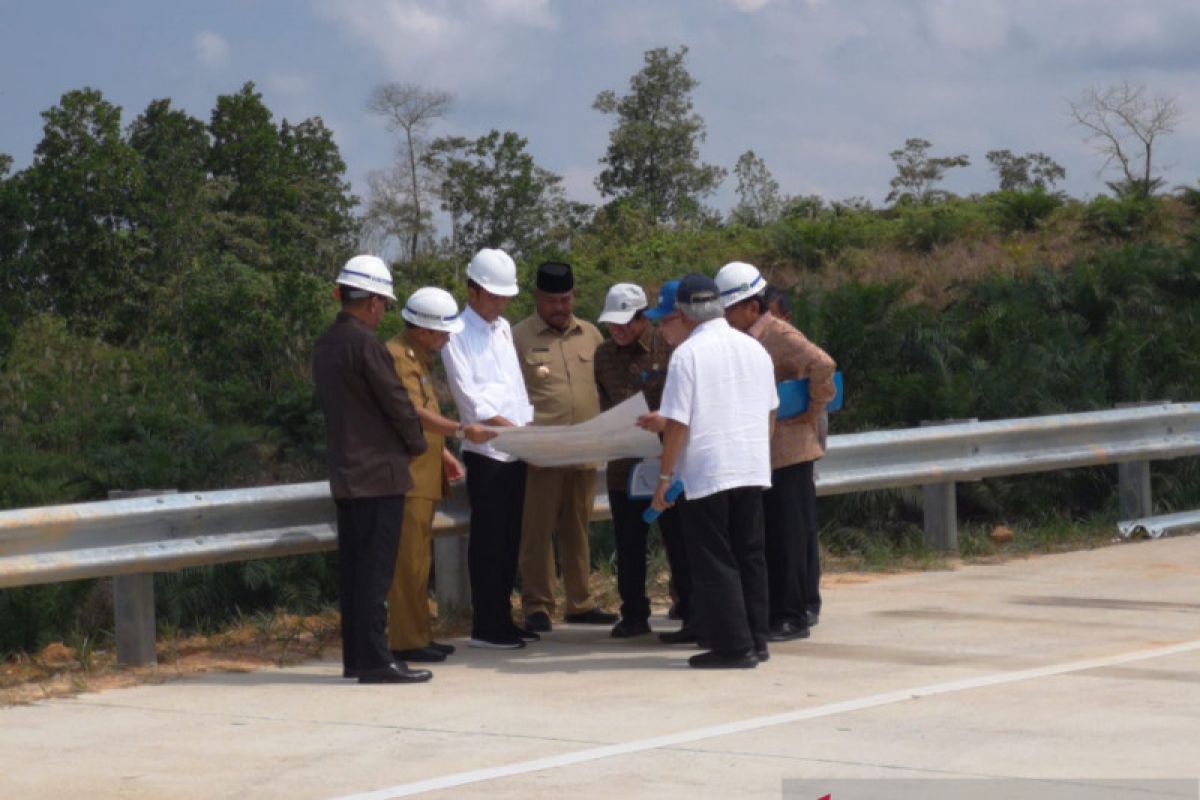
x: 790, y: 505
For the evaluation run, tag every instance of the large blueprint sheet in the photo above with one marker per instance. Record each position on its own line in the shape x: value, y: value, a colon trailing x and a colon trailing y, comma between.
x: 613, y: 434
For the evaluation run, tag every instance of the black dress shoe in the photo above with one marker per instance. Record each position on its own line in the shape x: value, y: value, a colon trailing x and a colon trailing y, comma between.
x: 593, y: 616
x: 425, y: 655
x: 714, y: 659
x: 394, y: 673
x: 626, y: 629
x: 448, y: 649
x: 762, y: 653
x: 673, y: 613
x: 524, y: 634
x: 538, y: 622
x: 684, y: 635
x: 813, y: 618
x: 349, y: 672
x: 786, y: 632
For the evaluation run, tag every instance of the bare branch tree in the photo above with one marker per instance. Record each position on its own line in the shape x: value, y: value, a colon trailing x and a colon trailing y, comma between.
x: 1122, y: 122
x: 411, y: 110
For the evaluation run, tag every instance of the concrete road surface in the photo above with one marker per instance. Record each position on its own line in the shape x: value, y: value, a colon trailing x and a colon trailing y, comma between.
x: 1065, y: 668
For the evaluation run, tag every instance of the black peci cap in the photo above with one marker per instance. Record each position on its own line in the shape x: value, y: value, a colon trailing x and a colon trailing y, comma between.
x: 555, y: 277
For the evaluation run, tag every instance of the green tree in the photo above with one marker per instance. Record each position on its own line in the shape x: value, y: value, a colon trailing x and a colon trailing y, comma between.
x: 313, y: 226
x: 917, y: 172
x: 172, y: 205
x: 80, y: 190
x: 1021, y: 173
x: 398, y: 206
x: 759, y: 201
x: 653, y: 149
x: 495, y: 194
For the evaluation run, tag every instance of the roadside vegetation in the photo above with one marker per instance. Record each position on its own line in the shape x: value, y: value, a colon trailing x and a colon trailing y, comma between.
x: 162, y: 279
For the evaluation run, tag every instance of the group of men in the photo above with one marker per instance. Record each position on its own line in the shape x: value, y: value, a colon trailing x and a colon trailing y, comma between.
x: 741, y: 541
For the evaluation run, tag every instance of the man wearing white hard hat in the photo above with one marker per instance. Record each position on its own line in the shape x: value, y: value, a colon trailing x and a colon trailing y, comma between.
x: 372, y: 432
x: 790, y: 505
x: 430, y: 316
x: 485, y: 381
x: 635, y: 360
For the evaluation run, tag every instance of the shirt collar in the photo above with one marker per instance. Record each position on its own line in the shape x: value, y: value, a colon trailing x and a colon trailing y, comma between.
x: 572, y: 326
x: 760, y: 325
x: 471, y: 317
x: 410, y: 341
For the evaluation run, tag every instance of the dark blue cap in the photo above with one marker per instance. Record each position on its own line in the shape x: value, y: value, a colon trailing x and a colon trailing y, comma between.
x: 697, y: 288
x: 666, y: 301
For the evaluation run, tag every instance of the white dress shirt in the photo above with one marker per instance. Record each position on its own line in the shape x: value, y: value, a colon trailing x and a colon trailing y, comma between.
x: 485, y: 378
x: 721, y: 384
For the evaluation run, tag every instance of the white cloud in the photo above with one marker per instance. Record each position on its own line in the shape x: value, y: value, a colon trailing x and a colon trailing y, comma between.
x: 749, y: 6
x: 212, y: 50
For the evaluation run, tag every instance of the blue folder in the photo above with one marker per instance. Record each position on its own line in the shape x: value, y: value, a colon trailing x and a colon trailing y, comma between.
x: 793, y: 397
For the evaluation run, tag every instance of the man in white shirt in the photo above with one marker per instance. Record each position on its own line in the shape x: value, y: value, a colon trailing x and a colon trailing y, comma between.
x: 485, y: 380
x: 718, y: 405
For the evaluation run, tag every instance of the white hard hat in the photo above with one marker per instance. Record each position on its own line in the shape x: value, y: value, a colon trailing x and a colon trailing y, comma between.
x: 434, y: 309
x: 738, y: 280
x: 368, y: 273
x: 622, y: 302
x: 495, y: 271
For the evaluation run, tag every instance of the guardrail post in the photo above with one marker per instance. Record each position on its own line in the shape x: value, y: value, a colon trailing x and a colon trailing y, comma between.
x: 1133, y: 478
x: 940, y: 505
x: 1133, y: 483
x: 133, y: 606
x: 451, y: 583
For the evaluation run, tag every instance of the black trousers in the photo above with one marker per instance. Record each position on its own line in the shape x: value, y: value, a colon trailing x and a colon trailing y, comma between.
x: 631, y: 533
x: 728, y: 567
x: 497, y: 493
x: 368, y: 536
x: 793, y: 556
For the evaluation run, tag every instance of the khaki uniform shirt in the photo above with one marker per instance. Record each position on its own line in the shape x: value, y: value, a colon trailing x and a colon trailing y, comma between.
x: 794, y: 356
x: 622, y: 372
x: 412, y: 363
x: 558, y: 369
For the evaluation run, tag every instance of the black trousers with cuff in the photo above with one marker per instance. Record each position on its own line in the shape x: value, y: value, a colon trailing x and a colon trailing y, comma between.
x: 728, y: 569
x: 368, y: 537
x: 793, y: 566
x: 497, y: 493
x: 631, y: 533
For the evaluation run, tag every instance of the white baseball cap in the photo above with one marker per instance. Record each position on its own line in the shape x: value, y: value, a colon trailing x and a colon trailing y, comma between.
x: 622, y: 302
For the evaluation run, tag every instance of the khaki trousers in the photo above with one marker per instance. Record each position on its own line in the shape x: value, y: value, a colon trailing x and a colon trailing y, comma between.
x: 408, y: 599
x: 557, y: 500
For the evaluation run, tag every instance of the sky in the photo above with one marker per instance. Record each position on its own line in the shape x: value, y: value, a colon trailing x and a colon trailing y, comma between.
x: 821, y: 90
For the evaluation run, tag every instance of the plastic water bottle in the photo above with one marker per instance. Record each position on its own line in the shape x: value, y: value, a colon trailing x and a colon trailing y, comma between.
x: 673, y: 492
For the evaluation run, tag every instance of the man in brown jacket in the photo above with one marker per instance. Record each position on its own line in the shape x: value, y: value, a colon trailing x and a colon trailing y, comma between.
x: 790, y: 505
x: 372, y: 431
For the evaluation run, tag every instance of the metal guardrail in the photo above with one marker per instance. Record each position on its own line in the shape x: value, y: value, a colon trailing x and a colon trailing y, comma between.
x: 138, y: 536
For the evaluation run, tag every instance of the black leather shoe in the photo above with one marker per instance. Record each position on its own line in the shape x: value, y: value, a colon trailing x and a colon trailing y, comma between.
x: 593, y: 616
x: 813, y: 618
x: 425, y: 655
x: 626, y: 629
x: 525, y: 634
x: 673, y: 613
x: 539, y: 622
x: 448, y: 649
x: 348, y: 672
x: 786, y: 632
x: 746, y: 659
x: 682, y: 636
x: 762, y: 653
x: 394, y: 673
